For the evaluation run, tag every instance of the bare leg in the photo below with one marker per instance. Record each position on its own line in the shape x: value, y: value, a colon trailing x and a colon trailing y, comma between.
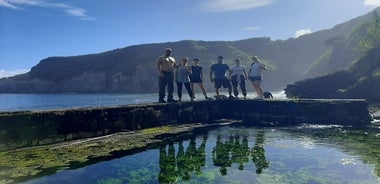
x: 192, y: 86
x: 203, y: 89
x: 258, y: 89
x: 217, y: 91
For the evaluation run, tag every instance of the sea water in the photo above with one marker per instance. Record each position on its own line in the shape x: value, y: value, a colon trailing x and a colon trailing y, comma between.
x: 287, y: 155
x: 22, y: 102
x: 231, y: 154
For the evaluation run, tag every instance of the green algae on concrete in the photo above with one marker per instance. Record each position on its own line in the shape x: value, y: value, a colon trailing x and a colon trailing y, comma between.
x: 27, y: 163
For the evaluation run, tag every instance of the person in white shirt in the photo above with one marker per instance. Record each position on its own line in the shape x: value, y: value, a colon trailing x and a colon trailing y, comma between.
x: 238, y: 76
x: 255, y: 76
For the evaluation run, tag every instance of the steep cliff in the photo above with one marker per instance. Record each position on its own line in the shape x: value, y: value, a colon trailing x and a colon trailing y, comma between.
x: 361, y: 80
x: 132, y: 69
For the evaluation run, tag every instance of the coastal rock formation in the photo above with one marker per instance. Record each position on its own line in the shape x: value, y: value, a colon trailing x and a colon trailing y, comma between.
x: 132, y: 69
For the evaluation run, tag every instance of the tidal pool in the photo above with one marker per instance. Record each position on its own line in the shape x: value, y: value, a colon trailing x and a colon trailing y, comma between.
x: 309, y: 154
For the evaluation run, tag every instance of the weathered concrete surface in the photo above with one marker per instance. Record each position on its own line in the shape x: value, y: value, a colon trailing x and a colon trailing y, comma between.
x: 32, y: 128
x: 17, y: 166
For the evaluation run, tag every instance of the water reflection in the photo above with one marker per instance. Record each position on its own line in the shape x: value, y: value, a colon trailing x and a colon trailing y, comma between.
x: 228, y: 150
x: 173, y: 166
x: 258, y: 153
x: 245, y: 155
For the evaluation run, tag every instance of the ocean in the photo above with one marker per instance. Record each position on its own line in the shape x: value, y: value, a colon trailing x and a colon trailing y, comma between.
x: 26, y: 102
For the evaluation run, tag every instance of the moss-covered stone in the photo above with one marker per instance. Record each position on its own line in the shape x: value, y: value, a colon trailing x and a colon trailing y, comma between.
x: 33, y: 128
x: 23, y: 164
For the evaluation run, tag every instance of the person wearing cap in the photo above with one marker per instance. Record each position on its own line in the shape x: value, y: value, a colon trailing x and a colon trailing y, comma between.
x: 196, y: 77
x: 238, y: 76
x: 255, y: 76
x: 218, y: 75
x: 165, y: 65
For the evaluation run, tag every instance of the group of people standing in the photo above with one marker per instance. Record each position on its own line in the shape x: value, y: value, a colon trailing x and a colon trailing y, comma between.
x: 221, y: 75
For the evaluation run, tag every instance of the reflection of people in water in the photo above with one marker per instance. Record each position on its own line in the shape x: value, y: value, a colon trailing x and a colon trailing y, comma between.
x: 180, y: 166
x: 258, y: 153
x: 198, y: 159
x: 240, y: 152
x: 233, y: 150
x: 192, y: 160
x: 167, y: 165
x: 221, y: 154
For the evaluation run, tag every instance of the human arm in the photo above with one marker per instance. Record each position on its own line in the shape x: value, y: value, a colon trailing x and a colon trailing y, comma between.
x: 211, y: 78
x: 189, y: 70
x: 245, y: 74
x: 158, y: 67
x: 262, y: 65
x: 201, y: 73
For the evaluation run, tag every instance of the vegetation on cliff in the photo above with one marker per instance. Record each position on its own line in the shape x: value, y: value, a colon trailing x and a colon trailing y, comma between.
x: 361, y: 80
x: 132, y: 69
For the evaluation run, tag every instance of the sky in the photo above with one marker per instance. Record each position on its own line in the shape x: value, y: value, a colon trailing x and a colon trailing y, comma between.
x: 32, y: 30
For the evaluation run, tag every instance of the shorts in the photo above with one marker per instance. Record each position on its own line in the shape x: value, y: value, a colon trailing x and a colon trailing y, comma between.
x: 255, y: 78
x: 222, y: 82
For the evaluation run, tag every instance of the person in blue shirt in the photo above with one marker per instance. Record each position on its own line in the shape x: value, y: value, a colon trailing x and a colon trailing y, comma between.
x: 218, y: 75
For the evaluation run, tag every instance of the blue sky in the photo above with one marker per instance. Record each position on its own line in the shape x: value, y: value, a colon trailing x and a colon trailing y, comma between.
x: 31, y: 30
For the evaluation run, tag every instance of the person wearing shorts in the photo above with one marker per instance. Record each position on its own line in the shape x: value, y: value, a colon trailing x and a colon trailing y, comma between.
x: 218, y: 73
x: 255, y: 76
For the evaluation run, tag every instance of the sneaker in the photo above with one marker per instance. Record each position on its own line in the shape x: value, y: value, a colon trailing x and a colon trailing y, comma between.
x: 172, y: 100
x: 258, y: 98
x: 161, y: 101
x: 231, y: 97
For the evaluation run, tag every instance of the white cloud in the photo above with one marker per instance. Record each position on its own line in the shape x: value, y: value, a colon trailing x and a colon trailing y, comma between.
x: 69, y: 10
x: 252, y: 28
x: 302, y: 32
x: 5, y: 3
x: 4, y: 73
x: 371, y: 3
x: 232, y: 5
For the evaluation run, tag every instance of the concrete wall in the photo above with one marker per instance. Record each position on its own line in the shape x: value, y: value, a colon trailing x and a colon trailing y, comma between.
x: 31, y: 128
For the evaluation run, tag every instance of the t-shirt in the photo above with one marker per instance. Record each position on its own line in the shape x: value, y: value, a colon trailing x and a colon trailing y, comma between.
x: 237, y: 70
x: 183, y: 74
x: 256, y: 69
x: 219, y: 70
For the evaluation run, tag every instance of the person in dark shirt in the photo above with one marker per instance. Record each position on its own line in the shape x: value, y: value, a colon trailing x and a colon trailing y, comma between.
x: 218, y: 75
x: 197, y: 77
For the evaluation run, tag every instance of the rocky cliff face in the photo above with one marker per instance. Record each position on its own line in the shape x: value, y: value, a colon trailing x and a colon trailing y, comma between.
x: 132, y: 69
x: 87, y: 82
x: 362, y: 80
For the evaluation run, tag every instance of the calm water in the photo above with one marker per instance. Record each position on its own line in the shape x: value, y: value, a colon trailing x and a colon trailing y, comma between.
x: 19, y: 102
x: 307, y: 154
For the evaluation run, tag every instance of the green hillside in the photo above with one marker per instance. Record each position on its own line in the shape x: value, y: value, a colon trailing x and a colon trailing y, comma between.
x: 132, y: 69
x: 361, y: 80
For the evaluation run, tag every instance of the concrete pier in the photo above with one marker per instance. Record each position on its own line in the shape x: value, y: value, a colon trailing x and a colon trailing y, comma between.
x: 33, y: 128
